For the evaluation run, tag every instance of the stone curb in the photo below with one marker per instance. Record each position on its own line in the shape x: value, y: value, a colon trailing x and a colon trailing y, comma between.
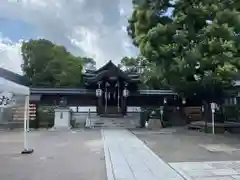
x: 108, y: 162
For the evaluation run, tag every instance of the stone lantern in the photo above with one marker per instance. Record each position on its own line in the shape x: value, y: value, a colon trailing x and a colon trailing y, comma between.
x: 184, y: 100
x: 165, y: 101
x: 125, y: 93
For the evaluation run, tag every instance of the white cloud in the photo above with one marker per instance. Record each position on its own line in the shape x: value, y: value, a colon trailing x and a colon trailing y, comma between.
x: 10, y: 55
x: 86, y: 27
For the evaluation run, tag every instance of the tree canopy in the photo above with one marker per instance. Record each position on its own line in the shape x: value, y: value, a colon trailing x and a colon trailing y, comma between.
x: 193, y: 46
x: 89, y: 63
x: 48, y: 65
x: 145, y: 69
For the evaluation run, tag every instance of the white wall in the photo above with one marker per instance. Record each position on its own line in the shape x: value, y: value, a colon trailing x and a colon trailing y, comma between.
x: 84, y: 108
x: 133, y: 109
x: 94, y: 109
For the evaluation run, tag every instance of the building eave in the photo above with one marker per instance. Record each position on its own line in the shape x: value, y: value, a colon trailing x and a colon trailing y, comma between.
x: 61, y: 91
x: 69, y: 91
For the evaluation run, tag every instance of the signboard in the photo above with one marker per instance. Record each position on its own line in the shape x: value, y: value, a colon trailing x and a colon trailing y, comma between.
x: 6, y: 99
x: 213, y: 107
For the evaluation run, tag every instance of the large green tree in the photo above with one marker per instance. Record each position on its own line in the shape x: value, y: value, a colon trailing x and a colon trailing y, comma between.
x: 195, y: 48
x: 48, y: 65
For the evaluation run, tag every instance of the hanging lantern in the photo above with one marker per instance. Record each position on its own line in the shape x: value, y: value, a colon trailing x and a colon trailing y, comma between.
x: 98, y: 92
x: 125, y: 93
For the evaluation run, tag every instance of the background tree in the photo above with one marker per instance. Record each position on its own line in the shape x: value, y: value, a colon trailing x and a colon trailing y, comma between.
x: 145, y: 69
x: 48, y: 65
x: 89, y: 63
x: 131, y: 64
x: 195, y: 49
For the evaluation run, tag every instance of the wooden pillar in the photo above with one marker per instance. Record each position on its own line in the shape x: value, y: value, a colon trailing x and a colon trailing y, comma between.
x: 99, y: 105
x: 124, y: 105
x: 124, y: 98
x: 99, y: 95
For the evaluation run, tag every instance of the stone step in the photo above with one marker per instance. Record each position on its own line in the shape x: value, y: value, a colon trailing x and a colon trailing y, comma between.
x: 113, y: 115
x: 112, y: 124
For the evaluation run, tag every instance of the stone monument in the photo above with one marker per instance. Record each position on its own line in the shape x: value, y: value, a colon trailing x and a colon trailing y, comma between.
x: 154, y: 123
x: 62, y: 116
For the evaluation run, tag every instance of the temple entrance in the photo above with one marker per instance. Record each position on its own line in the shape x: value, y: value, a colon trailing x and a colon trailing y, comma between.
x: 112, y: 98
x: 112, y: 87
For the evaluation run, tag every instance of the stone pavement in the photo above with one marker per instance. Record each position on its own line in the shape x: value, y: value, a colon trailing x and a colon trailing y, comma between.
x: 191, y: 146
x: 195, y: 155
x: 58, y: 155
x: 128, y: 158
x: 213, y: 170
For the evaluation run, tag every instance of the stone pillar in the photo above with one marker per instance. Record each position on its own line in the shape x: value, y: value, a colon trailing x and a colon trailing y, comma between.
x: 62, y: 118
x: 106, y: 97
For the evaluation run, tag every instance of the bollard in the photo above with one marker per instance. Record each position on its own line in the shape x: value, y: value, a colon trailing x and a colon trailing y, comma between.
x: 213, y: 107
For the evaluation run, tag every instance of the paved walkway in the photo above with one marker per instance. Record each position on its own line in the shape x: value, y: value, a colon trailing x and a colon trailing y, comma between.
x: 128, y: 158
x: 212, y: 170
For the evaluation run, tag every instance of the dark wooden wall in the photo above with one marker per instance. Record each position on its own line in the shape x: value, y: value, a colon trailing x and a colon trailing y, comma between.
x: 151, y: 100
x: 72, y: 100
x: 136, y: 100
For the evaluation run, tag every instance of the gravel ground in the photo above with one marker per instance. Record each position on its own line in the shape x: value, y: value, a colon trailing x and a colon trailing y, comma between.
x: 58, y: 155
x: 182, y: 145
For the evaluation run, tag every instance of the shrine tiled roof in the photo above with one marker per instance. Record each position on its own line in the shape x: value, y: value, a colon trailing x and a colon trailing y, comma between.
x: 108, y: 70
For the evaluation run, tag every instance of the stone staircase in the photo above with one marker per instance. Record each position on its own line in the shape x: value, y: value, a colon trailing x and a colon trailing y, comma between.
x: 112, y: 112
x: 101, y: 122
x: 117, y: 115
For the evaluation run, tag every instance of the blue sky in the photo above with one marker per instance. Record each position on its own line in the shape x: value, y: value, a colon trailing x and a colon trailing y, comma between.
x: 16, y: 29
x: 90, y: 28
